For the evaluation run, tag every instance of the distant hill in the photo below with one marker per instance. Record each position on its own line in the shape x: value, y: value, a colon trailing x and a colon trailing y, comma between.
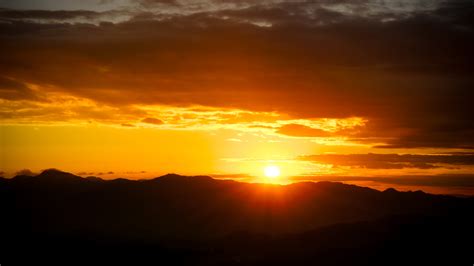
x: 197, y: 216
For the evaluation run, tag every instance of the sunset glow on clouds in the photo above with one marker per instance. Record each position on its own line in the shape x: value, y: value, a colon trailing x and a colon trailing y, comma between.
x: 321, y: 88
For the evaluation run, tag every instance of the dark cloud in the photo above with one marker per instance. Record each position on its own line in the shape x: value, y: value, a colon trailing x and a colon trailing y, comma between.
x: 127, y: 125
x: 393, y: 161
x: 148, y: 3
x: 411, y: 76
x: 285, y: 14
x: 13, y: 90
x: 444, y: 180
x: 75, y: 17
x: 152, y: 120
x: 46, y: 14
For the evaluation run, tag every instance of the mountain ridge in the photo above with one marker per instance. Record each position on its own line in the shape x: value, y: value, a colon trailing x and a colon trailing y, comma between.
x: 216, y: 221
x: 55, y: 174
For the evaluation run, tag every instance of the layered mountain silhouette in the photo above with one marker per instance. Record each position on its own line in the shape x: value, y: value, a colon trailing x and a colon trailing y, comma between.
x: 198, y: 220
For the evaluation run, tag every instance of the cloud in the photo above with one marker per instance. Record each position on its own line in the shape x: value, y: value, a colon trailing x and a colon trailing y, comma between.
x: 127, y: 125
x: 152, y: 120
x: 84, y: 173
x: 46, y: 14
x: 443, y: 180
x: 329, y: 62
x: 393, y: 161
x: 62, y: 16
x: 13, y: 90
x: 148, y: 3
x: 309, y: 9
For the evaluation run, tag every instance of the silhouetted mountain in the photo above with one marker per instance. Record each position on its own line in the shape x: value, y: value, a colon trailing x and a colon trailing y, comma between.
x: 213, y: 222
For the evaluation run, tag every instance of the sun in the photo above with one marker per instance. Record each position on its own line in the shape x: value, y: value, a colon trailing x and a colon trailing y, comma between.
x: 272, y: 171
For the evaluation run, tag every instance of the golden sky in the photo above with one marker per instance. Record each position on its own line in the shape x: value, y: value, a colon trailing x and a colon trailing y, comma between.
x: 339, y: 90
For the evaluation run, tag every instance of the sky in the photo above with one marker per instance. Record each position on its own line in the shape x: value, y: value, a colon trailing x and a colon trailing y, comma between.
x: 373, y: 92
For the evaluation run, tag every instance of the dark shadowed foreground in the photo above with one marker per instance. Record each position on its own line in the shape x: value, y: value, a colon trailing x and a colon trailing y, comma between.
x: 60, y: 218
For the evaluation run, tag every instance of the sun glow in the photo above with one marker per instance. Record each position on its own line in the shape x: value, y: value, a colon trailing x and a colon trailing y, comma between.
x: 272, y: 171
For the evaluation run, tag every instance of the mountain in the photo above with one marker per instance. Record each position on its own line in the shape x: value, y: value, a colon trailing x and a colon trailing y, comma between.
x: 200, y: 220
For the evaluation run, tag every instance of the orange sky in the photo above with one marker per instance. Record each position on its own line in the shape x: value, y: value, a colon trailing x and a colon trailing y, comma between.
x: 143, y: 88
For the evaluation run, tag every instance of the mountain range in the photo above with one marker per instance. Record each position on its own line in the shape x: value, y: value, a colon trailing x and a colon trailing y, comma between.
x: 57, y: 217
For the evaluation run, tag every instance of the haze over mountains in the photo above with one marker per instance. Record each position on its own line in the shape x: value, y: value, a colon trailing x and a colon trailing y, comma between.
x: 200, y: 220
